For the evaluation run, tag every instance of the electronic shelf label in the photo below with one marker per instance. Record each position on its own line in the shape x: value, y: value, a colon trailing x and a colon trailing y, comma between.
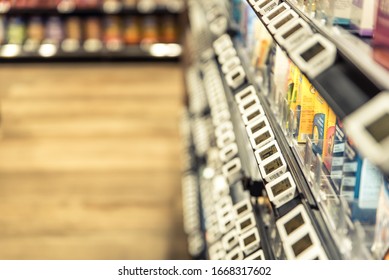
x: 294, y: 222
x: 216, y: 251
x: 253, y: 114
x: 314, y: 55
x: 369, y: 128
x: 246, y: 222
x: 304, y: 247
x: 230, y: 64
x: 226, y: 55
x: 235, y: 254
x: 267, y: 151
x: 249, y: 241
x: 273, y: 14
x: 232, y: 170
x: 230, y: 240
x: 272, y: 167
x: 281, y: 190
x: 245, y: 93
x: 249, y: 103
x: 265, y: 6
x: 282, y: 20
x: 262, y: 137
x: 225, y: 139
x: 236, y: 77
x: 243, y: 207
x: 254, y: 126
x: 222, y: 43
x: 226, y: 223
x: 293, y: 34
x: 258, y: 255
x: 228, y: 152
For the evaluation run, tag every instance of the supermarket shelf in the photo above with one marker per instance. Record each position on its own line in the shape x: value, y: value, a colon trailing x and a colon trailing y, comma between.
x: 356, y: 76
x: 98, y: 11
x: 136, y: 52
x: 306, y: 196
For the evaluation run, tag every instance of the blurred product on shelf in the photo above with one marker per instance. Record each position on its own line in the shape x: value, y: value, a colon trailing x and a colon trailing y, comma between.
x: 381, y: 34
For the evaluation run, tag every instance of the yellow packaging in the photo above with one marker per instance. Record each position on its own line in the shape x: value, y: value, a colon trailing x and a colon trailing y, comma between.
x: 304, y: 110
x: 319, y: 129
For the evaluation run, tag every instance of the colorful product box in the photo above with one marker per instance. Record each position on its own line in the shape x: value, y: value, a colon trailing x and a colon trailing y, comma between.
x: 381, y: 240
x: 305, y: 110
x: 362, y: 16
x: 329, y: 140
x: 319, y: 128
x: 337, y: 159
x: 360, y: 185
x: 381, y: 34
x: 342, y: 12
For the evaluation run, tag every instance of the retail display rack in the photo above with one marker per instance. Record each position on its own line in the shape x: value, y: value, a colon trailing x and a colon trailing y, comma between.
x: 256, y: 192
x: 71, y: 30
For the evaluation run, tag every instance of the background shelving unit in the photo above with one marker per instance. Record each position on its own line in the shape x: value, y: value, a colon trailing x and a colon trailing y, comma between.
x: 116, y: 30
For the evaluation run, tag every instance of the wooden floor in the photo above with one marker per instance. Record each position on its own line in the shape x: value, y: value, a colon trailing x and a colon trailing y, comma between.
x: 89, y: 162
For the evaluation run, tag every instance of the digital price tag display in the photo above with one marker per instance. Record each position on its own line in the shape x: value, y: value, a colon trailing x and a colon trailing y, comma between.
x: 249, y: 241
x: 282, y: 20
x: 272, y: 167
x: 265, y: 6
x: 246, y: 222
x: 267, y: 151
x: 293, y: 34
x: 281, y: 190
x: 93, y: 45
x: 258, y: 255
x: 228, y: 152
x: 232, y: 170
x: 255, y: 126
x: 216, y: 251
x: 243, y: 207
x: 226, y: 223
x: 235, y: 254
x: 70, y: 45
x: 302, y: 247
x: 279, y: 10
x: 369, y: 128
x: 225, y: 139
x: 245, y: 93
x: 248, y: 104
x: 230, y: 240
x: 236, y: 77
x: 222, y: 43
x: 226, y: 55
x: 223, y: 128
x: 294, y: 222
x: 314, y: 55
x: 262, y: 137
x: 251, y: 115
x: 230, y: 64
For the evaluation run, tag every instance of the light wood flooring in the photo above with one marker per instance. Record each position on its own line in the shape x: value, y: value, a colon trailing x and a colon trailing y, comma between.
x: 89, y: 162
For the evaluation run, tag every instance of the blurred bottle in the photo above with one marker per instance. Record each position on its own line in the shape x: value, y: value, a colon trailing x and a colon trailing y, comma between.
x: 16, y: 31
x: 169, y: 30
x: 149, y: 29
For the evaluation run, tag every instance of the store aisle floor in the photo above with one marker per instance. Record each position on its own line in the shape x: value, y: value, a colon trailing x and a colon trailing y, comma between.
x: 89, y: 162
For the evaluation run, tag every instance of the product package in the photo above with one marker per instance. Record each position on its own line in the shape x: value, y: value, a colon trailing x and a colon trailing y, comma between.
x: 304, y: 111
x: 319, y: 128
x: 381, y: 240
x: 337, y: 159
x: 168, y: 30
x: 329, y: 140
x: 362, y: 16
x: 342, y: 12
x: 16, y: 31
x: 149, y: 29
x: 132, y: 34
x: 381, y: 34
x: 360, y: 185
